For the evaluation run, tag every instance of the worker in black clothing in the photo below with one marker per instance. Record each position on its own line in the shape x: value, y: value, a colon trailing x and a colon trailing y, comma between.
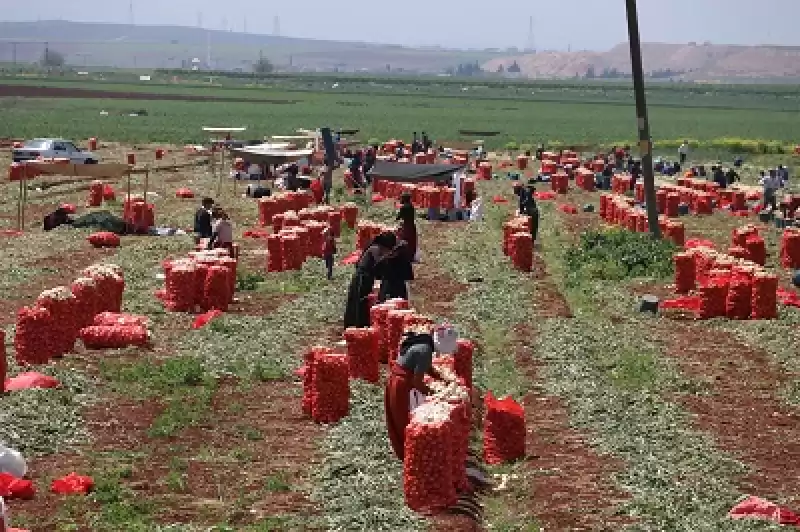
x: 531, y: 209
x: 202, y: 220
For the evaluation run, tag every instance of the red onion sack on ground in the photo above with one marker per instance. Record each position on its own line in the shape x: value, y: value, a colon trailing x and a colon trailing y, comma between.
x: 114, y: 336
x: 330, y: 388
x: 503, y: 430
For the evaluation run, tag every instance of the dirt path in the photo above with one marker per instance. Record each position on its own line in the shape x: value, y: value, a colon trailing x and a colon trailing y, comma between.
x: 570, y: 486
x: 740, y: 409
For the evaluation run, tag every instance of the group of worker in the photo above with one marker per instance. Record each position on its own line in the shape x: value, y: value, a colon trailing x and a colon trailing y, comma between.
x: 213, y: 225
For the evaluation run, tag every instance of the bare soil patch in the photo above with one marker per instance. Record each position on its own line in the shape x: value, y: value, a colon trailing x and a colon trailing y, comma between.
x: 27, y: 91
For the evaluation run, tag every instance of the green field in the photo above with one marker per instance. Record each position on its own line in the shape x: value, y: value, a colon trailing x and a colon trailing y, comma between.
x: 525, y: 113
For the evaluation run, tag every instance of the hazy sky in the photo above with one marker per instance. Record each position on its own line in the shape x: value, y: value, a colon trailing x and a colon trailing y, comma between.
x: 587, y: 24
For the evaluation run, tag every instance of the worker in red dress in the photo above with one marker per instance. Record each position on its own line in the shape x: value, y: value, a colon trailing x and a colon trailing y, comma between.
x: 407, y: 378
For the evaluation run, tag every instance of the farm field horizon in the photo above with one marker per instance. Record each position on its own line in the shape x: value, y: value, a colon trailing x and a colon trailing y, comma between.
x: 632, y: 421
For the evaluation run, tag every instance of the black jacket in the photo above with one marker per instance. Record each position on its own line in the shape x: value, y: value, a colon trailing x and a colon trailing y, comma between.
x: 202, y: 223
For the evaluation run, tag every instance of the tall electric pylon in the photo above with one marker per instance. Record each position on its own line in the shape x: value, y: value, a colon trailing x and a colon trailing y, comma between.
x: 130, y: 13
x: 276, y: 26
x: 531, y: 44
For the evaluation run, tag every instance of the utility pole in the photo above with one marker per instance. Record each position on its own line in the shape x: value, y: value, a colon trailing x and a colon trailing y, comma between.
x: 14, y: 53
x: 645, y: 143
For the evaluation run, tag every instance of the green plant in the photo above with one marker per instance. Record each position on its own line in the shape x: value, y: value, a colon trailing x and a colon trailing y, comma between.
x: 615, y: 255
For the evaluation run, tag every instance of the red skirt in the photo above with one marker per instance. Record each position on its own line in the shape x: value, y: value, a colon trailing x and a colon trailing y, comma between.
x: 408, y: 232
x: 397, y: 403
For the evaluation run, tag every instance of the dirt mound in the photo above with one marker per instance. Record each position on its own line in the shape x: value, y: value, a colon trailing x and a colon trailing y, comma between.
x: 689, y: 61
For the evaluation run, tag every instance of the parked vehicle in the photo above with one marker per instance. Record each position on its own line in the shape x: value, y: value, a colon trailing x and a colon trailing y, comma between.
x: 53, y: 149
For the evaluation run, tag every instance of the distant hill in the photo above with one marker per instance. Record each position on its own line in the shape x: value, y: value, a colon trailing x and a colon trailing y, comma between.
x: 695, y: 62
x: 126, y: 46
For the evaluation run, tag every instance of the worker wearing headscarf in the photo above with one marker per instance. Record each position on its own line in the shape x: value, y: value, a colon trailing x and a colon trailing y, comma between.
x: 408, y: 227
x: 357, y: 311
x: 407, y: 377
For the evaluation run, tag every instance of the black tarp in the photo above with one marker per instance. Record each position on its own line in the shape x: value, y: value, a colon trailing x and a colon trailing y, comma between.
x: 414, y: 173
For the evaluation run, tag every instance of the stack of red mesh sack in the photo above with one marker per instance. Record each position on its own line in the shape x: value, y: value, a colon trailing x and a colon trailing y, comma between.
x: 429, y: 458
x: 765, y: 296
x: 684, y: 272
x: 378, y: 316
x: 330, y: 387
x: 522, y: 251
x: 205, y: 280
x: 366, y: 231
x: 395, y: 321
x: 362, y: 353
x: 519, y: 224
x: 111, y: 330
x: 139, y: 214
x: 790, y: 248
x: 503, y: 430
x: 281, y: 203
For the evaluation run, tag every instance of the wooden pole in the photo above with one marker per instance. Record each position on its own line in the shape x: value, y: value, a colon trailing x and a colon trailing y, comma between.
x: 19, y: 204
x: 146, y: 182
x: 24, y: 201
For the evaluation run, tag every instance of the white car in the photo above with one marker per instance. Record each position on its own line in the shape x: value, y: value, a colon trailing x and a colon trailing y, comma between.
x: 53, y: 149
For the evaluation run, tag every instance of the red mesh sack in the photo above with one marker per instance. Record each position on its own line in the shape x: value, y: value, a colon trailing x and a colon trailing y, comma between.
x: 65, y: 325
x: 673, y: 201
x: 756, y: 249
x: 200, y: 275
x: 72, y: 484
x: 503, y: 430
x: 307, y: 372
x: 274, y: 253
x: 231, y: 264
x: 114, y: 336
x: 395, y: 320
x: 331, y: 388
x: 180, y: 287
x: 684, y: 272
x: 184, y: 193
x: 104, y: 239
x: 87, y: 300
x: 95, y: 194
x: 291, y: 252
x: 738, y: 300
x: 33, y: 341
x: 378, y: 316
x: 110, y: 285
x: 790, y: 249
x: 267, y: 208
x: 30, y: 380
x: 108, y: 193
x: 121, y: 319
x: 216, y: 289
x: 463, y: 361
x: 713, y: 297
x: 428, y: 482
x: 316, y: 237
x: 765, y: 301
x: 661, y: 201
x: 362, y: 353
x: 12, y: 487
x: 350, y: 214
x: 740, y: 235
x: 522, y: 251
